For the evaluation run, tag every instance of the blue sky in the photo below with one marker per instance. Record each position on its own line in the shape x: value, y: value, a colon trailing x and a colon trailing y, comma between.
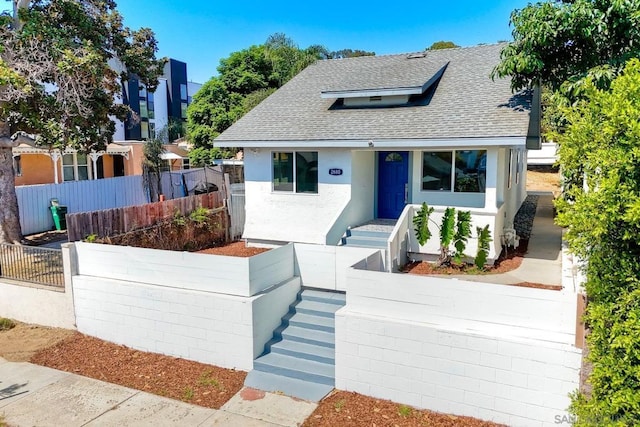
x: 201, y: 32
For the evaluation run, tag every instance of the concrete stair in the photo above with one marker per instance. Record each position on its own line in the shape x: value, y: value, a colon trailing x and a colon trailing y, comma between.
x: 367, y: 238
x: 299, y: 361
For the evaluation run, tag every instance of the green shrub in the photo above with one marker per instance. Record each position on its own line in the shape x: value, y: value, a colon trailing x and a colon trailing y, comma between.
x: 447, y: 230
x: 6, y: 324
x: 463, y: 232
x: 421, y: 224
x: 484, y: 238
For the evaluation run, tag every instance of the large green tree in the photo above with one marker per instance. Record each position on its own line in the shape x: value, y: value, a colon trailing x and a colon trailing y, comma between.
x: 442, y: 45
x: 602, y: 136
x: 61, y: 66
x: 579, y: 49
x: 245, y: 79
x: 562, y: 42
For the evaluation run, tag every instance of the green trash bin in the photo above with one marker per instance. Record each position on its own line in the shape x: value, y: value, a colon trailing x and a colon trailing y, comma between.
x: 59, y: 214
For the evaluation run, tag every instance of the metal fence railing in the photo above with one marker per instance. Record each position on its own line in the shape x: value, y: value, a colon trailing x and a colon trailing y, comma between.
x: 30, y: 264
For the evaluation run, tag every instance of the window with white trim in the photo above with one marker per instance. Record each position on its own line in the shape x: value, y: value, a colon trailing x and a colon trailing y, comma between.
x: 75, y: 167
x: 458, y: 171
x: 295, y: 171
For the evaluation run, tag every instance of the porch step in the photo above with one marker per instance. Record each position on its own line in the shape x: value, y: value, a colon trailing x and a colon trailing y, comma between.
x: 301, y: 389
x: 368, y: 242
x: 296, y: 367
x: 357, y: 232
x: 316, y: 308
x: 299, y: 360
x: 307, y: 351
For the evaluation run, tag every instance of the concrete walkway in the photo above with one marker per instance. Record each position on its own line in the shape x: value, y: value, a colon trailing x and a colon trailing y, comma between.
x: 32, y: 395
x: 543, y: 261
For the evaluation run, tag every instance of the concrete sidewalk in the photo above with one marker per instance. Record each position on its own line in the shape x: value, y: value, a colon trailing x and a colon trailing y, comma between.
x: 32, y: 395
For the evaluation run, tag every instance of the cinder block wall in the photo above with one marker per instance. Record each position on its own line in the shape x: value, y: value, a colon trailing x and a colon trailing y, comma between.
x: 515, y: 382
x: 495, y: 352
x: 195, y: 310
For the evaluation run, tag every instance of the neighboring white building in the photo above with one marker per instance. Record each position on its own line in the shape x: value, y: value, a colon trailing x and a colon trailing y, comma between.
x: 352, y: 140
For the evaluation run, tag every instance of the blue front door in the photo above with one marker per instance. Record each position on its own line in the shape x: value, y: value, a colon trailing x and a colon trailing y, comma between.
x: 393, y: 175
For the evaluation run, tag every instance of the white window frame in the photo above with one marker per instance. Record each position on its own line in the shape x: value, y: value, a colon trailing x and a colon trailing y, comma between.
x: 295, y: 173
x: 453, y: 175
x: 75, y: 167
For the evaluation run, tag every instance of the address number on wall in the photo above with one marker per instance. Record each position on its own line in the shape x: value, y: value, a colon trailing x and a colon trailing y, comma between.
x: 335, y: 171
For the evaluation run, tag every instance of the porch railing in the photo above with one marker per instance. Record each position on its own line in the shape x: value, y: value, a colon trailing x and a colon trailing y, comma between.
x: 31, y: 264
x: 397, y: 244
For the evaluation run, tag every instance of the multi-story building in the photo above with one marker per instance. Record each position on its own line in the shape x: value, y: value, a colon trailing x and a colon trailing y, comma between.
x: 154, y: 112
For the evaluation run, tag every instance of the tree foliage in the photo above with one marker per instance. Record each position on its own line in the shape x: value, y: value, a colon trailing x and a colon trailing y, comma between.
x: 246, y: 78
x: 57, y: 82
x: 561, y: 42
x: 442, y: 45
x: 602, y: 139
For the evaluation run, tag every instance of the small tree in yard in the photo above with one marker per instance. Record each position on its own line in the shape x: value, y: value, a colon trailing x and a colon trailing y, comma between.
x: 56, y: 81
x: 152, y: 164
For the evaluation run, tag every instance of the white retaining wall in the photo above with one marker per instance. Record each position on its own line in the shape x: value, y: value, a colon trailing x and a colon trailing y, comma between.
x: 325, y: 267
x: 495, y: 352
x: 213, y: 309
x: 208, y: 327
x: 42, y: 305
x: 203, y: 272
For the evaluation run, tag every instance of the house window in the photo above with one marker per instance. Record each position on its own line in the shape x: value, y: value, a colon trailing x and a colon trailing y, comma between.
x: 183, y: 109
x: 151, y: 106
x: 152, y: 130
x: 185, y: 163
x: 17, y: 166
x: 296, y: 171
x: 183, y: 92
x: 393, y: 157
x: 144, y: 113
x: 75, y: 167
x: 460, y: 171
x: 144, y: 130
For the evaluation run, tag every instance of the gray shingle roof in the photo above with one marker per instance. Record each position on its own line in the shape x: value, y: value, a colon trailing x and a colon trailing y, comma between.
x: 466, y: 102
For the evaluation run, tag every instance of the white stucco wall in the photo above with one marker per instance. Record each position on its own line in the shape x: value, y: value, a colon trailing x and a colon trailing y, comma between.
x: 325, y: 267
x: 494, y: 352
x: 514, y: 193
x: 41, y: 305
x: 291, y: 217
x: 161, y: 110
x: 360, y: 208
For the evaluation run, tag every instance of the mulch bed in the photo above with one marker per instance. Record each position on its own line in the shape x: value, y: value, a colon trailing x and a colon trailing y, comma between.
x: 238, y: 249
x: 172, y: 377
x: 354, y: 410
x: 507, y: 261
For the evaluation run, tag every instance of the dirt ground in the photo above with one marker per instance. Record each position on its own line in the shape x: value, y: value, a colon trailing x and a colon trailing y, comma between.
x: 23, y: 341
x: 238, y: 249
x: 543, y: 178
x: 354, y: 410
x: 192, y: 382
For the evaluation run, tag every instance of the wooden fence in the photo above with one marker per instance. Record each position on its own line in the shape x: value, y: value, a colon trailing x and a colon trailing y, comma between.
x: 110, y: 222
x: 78, y: 196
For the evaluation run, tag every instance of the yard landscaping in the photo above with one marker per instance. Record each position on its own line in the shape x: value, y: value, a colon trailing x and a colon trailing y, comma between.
x: 510, y: 258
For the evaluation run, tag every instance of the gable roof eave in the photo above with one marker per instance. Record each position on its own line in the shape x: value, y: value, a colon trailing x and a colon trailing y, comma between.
x: 381, y: 144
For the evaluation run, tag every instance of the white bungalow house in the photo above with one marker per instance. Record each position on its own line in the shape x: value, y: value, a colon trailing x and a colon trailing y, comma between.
x: 348, y: 141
